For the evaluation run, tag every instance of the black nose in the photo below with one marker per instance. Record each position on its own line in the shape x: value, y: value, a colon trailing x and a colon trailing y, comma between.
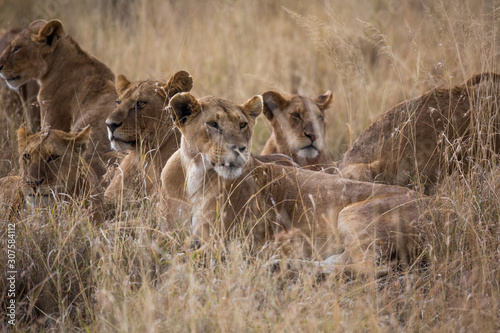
x: 239, y: 149
x: 34, y: 184
x: 113, y: 126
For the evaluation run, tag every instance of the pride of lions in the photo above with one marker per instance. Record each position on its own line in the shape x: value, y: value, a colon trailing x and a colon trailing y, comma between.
x: 192, y: 156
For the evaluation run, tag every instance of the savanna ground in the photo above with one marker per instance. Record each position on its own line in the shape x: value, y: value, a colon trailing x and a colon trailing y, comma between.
x: 130, y: 274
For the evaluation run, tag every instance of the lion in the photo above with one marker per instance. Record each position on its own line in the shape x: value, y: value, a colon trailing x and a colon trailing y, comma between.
x: 52, y: 169
x: 76, y: 89
x: 298, y: 129
x: 16, y: 107
x: 141, y: 127
x: 19, y: 102
x: 421, y: 138
x: 214, y: 184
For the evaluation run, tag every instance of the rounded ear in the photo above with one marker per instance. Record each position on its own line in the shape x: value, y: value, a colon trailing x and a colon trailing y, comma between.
x: 122, y: 84
x: 324, y: 101
x: 253, y: 107
x: 273, y: 102
x: 183, y: 107
x: 22, y: 137
x: 50, y: 33
x: 179, y: 82
x: 81, y: 139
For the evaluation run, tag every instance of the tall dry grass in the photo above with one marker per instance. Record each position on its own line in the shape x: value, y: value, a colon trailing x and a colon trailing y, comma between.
x: 133, y: 275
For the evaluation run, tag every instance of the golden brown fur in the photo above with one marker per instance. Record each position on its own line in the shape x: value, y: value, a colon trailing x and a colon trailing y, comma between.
x: 52, y: 169
x: 11, y: 195
x: 76, y: 89
x: 18, y: 102
x: 215, y: 184
x: 417, y: 139
x: 141, y: 127
x: 15, y: 108
x: 298, y: 127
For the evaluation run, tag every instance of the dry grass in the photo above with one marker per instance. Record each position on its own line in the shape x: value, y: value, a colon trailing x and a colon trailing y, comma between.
x: 130, y: 275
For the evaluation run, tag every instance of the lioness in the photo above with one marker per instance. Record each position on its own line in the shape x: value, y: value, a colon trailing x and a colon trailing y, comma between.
x: 214, y: 182
x: 298, y: 129
x: 76, y: 89
x: 418, y: 138
x: 19, y: 101
x: 15, y: 107
x: 141, y: 127
x: 52, y: 168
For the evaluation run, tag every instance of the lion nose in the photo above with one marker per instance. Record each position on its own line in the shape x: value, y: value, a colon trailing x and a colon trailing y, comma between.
x: 113, y: 126
x: 34, y: 184
x: 239, y: 149
x: 312, y: 137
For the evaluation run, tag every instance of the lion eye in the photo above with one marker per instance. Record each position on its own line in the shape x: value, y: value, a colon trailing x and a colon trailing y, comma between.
x: 118, y: 102
x: 15, y: 49
x: 296, y: 116
x: 52, y: 158
x: 27, y: 157
x: 213, y: 124
x: 140, y: 105
x: 243, y: 125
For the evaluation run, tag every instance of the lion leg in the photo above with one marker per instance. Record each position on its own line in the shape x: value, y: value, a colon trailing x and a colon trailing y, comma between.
x: 11, y: 196
x: 374, y: 231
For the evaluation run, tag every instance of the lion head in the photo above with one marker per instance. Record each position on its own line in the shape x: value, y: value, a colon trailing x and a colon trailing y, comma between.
x: 218, y: 129
x: 139, y: 115
x: 298, y: 126
x: 24, y: 58
x: 52, y: 165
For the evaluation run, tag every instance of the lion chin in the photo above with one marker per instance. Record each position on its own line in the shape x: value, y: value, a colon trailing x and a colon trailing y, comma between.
x: 228, y: 172
x: 13, y: 82
x: 308, y: 153
x: 40, y: 200
x: 121, y: 145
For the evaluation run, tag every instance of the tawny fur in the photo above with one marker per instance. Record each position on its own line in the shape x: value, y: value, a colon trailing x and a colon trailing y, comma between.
x: 52, y: 169
x: 19, y: 102
x: 329, y: 213
x: 76, y: 89
x: 298, y: 129
x: 16, y: 107
x: 141, y: 127
x: 11, y: 195
x: 416, y: 139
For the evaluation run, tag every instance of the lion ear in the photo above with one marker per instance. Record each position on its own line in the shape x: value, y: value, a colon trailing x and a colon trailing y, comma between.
x: 50, y: 33
x: 180, y: 82
x: 22, y: 137
x: 81, y: 139
x: 253, y: 107
x: 324, y: 101
x: 122, y: 84
x: 183, y: 106
x: 273, y: 102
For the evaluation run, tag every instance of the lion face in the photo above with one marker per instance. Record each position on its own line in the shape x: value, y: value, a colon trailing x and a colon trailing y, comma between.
x: 24, y: 58
x: 218, y: 129
x: 139, y: 115
x: 51, y: 163
x: 298, y: 123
